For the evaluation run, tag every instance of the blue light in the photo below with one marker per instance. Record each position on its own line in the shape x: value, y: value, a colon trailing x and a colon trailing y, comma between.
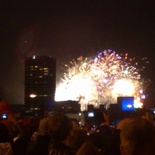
x: 127, y: 103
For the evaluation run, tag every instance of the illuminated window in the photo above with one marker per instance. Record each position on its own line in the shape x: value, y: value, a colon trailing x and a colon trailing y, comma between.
x: 40, y: 76
x: 45, y: 73
x: 35, y: 66
x: 33, y: 95
x: 40, y: 69
x: 46, y: 69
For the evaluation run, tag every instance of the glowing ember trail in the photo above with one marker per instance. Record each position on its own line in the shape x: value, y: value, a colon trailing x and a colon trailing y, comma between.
x: 100, y: 80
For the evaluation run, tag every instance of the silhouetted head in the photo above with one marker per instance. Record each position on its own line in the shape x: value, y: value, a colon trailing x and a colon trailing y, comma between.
x: 59, y: 127
x: 137, y: 137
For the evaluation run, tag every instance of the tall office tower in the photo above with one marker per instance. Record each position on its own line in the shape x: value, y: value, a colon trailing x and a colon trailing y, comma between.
x: 40, y: 82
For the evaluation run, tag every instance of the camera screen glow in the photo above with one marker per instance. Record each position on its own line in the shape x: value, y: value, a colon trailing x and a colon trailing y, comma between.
x: 127, y: 104
x: 90, y: 114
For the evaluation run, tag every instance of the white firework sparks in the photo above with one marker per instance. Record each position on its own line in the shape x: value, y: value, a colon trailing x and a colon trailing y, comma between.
x: 100, y: 80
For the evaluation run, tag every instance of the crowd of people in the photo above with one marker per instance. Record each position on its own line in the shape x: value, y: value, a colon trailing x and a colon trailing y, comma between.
x: 59, y: 135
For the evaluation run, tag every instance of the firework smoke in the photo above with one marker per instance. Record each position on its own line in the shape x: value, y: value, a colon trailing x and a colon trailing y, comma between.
x: 100, y: 80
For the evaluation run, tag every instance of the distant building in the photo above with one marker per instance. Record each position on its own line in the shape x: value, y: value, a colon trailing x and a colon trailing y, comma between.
x: 66, y: 106
x: 40, y: 82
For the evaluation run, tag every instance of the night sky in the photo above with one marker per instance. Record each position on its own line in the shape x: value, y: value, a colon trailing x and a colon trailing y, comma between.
x: 70, y: 29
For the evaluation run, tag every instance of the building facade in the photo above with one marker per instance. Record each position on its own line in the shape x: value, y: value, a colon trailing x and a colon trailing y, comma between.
x: 40, y: 82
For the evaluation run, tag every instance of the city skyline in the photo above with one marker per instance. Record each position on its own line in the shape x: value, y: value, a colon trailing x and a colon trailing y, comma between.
x: 70, y: 30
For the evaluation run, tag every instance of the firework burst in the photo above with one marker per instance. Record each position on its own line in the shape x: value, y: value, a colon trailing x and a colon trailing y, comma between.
x: 100, y: 80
